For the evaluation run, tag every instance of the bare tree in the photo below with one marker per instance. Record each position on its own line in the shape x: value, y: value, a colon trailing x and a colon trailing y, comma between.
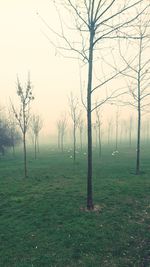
x: 9, y: 135
x: 99, y: 123
x: 14, y: 133
x: 109, y: 130
x: 23, y: 115
x: 61, y: 127
x: 81, y: 129
x: 96, y: 134
x: 36, y: 124
x: 138, y: 74
x: 147, y: 130
x: 117, y: 128
x: 75, y: 114
x: 95, y: 22
x: 130, y: 130
x: 58, y: 133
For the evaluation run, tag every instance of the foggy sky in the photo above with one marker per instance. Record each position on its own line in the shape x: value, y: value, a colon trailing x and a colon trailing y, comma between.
x: 25, y: 48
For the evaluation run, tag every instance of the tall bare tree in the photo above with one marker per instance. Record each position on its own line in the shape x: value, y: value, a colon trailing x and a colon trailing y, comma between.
x: 94, y: 22
x: 23, y: 115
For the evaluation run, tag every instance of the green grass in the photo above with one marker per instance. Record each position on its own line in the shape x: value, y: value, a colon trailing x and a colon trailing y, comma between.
x: 43, y: 222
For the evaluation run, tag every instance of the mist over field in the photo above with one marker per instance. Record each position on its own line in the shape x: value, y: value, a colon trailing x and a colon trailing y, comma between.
x: 75, y: 133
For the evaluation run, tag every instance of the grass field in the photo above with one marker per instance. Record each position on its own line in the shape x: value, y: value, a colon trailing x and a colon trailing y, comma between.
x: 43, y: 222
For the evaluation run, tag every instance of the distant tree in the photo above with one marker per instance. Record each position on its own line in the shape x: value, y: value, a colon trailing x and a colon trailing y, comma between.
x: 61, y: 128
x: 99, y: 123
x: 14, y: 132
x: 23, y: 115
x: 58, y: 134
x: 109, y: 130
x: 81, y: 129
x: 96, y: 134
x: 138, y: 72
x: 117, y: 128
x: 9, y: 135
x: 75, y: 114
x: 36, y: 124
x: 5, y: 140
x: 130, y: 130
x: 147, y: 130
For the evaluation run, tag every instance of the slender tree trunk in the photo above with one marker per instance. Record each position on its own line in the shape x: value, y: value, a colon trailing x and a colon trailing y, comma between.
x: 130, y: 136
x: 81, y: 143
x: 25, y: 154
x: 13, y: 146
x: 58, y: 141
x: 96, y: 135
x: 138, y: 140
x: 147, y: 135
x: 139, y: 113
x: 109, y: 134
x: 90, y: 205
x: 74, y: 141
x: 99, y: 140
x: 13, y: 149
x: 116, y: 146
x: 35, y: 146
x: 108, y: 141
x: 62, y: 142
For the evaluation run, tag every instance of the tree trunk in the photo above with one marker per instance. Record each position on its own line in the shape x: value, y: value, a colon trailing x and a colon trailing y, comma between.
x: 58, y: 141
x: 139, y: 113
x: 25, y: 154
x: 35, y: 147
x: 116, y: 146
x: 13, y: 149
x: 74, y: 141
x: 62, y: 142
x: 138, y: 141
x: 81, y: 143
x: 96, y: 135
x: 90, y: 205
x: 99, y: 140
x: 130, y: 136
x: 37, y: 144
